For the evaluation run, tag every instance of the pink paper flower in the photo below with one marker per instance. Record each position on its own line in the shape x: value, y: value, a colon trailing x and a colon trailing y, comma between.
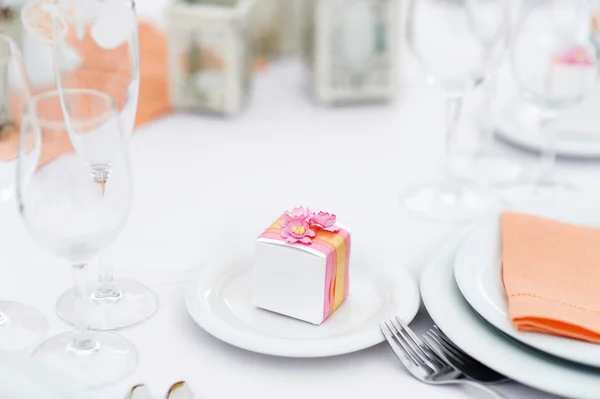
x: 297, y: 230
x: 575, y: 56
x: 299, y: 213
x: 324, y: 221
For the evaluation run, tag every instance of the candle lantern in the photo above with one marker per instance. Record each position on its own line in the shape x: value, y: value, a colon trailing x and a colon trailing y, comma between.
x: 210, y: 55
x: 10, y: 20
x: 351, y: 49
x: 276, y: 26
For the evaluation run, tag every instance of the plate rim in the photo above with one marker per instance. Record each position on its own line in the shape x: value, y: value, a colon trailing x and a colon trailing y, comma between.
x: 473, y: 300
x: 227, y: 334
x: 506, y: 364
x: 503, y: 131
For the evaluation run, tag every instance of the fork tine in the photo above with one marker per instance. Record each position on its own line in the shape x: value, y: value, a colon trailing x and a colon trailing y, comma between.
x: 411, y: 340
x: 418, y: 360
x: 429, y: 359
x: 442, y: 347
x: 417, y: 342
x: 459, y: 352
x: 397, y: 346
x: 450, y: 348
x: 439, y: 351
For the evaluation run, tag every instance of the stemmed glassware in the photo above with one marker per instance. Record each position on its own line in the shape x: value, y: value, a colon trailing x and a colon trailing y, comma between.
x: 486, y: 165
x: 74, y: 205
x: 21, y: 326
x: 96, y: 47
x: 555, y: 63
x: 442, y: 36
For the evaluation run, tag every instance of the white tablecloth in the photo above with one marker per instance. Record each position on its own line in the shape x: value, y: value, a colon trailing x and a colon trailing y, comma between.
x: 200, y: 181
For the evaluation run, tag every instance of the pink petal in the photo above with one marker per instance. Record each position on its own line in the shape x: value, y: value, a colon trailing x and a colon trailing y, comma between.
x: 332, y: 229
x: 291, y: 240
x: 306, y: 240
x: 285, y: 233
x: 310, y: 233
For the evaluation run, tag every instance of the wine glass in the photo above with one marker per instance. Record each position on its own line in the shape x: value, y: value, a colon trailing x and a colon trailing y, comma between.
x: 486, y: 165
x: 74, y: 205
x: 21, y: 326
x: 555, y: 63
x: 96, y: 47
x: 440, y: 34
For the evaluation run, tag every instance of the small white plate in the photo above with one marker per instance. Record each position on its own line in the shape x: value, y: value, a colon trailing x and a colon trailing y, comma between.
x: 577, y: 137
x: 478, y: 273
x: 461, y: 324
x: 219, y: 299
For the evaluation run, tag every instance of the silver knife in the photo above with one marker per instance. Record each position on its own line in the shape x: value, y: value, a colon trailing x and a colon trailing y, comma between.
x: 180, y: 390
x: 140, y: 391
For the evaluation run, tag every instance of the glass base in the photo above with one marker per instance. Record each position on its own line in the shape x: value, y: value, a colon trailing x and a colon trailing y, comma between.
x: 104, y: 359
x: 445, y: 202
x: 128, y: 304
x: 487, y: 169
x: 22, y: 326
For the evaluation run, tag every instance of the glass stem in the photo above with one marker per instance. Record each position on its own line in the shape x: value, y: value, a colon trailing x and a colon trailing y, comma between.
x: 3, y: 318
x: 486, y: 127
x: 453, y: 110
x: 82, y: 342
x: 548, y: 156
x: 107, y: 290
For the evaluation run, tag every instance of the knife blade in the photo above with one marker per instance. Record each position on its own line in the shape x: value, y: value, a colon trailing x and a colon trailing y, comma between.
x: 139, y: 391
x: 180, y: 390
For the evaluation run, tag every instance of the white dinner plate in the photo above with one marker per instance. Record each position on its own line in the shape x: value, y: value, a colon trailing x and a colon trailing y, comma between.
x: 577, y: 136
x: 453, y: 315
x: 478, y: 273
x: 219, y: 299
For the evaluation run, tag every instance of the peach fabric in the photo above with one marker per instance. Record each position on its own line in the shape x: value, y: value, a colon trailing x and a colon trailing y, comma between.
x: 153, y: 98
x: 154, y: 85
x: 110, y: 71
x: 551, y: 274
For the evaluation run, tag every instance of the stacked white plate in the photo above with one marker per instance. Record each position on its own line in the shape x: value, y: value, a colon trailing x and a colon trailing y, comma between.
x: 463, y: 292
x: 577, y: 134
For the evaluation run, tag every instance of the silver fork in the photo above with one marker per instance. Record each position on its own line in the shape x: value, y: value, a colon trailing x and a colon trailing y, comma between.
x: 471, y: 368
x: 420, y: 361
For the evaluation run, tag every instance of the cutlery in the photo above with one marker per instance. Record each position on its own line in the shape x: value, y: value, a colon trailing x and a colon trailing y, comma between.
x: 139, y: 391
x: 180, y: 390
x: 453, y: 355
x: 422, y: 362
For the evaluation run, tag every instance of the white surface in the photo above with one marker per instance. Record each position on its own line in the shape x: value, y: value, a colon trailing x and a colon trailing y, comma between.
x: 478, y: 271
x: 219, y: 298
x: 289, y: 280
x: 473, y: 335
x: 200, y: 180
x: 20, y: 378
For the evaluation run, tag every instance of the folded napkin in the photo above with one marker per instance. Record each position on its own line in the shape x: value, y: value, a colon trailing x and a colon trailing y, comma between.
x: 551, y: 274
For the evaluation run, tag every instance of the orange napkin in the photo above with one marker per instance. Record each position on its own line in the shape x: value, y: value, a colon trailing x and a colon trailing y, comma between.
x: 153, y: 101
x: 551, y: 273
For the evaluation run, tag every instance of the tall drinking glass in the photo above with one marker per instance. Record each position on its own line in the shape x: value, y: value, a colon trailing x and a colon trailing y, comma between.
x: 96, y: 47
x: 21, y: 326
x: 441, y: 35
x: 555, y: 62
x: 487, y: 165
x: 74, y: 205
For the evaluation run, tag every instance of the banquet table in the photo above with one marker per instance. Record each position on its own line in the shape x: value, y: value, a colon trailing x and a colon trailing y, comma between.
x: 201, y: 182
